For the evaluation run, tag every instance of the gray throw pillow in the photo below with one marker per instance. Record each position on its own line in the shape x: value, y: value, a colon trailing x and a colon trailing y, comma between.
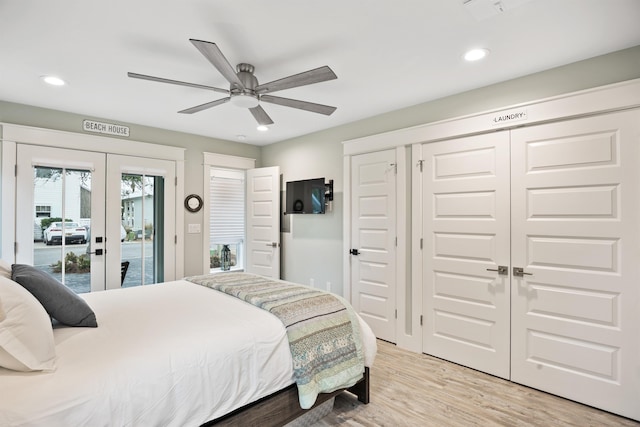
x: 59, y: 301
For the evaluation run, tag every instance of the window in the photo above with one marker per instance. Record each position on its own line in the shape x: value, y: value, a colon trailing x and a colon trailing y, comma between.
x: 43, y: 211
x: 226, y: 216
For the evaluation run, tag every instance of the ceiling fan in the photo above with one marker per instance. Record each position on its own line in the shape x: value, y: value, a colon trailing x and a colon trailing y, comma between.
x: 244, y: 90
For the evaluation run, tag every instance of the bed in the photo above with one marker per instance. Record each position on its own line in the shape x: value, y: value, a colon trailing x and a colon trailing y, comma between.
x: 172, y: 354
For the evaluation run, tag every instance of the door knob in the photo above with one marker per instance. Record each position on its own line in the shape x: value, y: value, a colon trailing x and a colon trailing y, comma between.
x: 502, y: 270
x: 519, y: 272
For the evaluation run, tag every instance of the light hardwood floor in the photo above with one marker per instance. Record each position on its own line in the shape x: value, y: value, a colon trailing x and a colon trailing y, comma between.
x: 409, y: 389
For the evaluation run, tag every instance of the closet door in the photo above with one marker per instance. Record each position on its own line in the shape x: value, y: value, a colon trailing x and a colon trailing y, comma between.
x: 466, y: 239
x: 576, y: 234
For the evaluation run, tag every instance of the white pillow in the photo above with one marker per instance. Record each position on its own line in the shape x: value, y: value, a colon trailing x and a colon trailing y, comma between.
x: 26, y: 334
x: 5, y: 269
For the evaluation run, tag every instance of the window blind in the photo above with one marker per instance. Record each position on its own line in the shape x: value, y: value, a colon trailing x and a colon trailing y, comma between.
x: 226, y: 224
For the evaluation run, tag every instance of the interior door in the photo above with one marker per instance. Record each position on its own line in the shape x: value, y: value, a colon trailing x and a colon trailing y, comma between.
x: 373, y: 240
x: 68, y: 185
x: 466, y: 242
x: 263, y: 221
x: 141, y: 194
x: 576, y: 235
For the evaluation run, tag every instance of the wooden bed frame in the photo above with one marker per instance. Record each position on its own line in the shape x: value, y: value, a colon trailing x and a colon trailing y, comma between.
x: 283, y: 406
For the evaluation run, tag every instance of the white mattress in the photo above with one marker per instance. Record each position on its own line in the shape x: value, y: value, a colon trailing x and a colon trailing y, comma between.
x: 172, y: 354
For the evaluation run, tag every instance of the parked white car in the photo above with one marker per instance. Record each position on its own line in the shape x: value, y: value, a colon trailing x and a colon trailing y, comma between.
x: 73, y: 233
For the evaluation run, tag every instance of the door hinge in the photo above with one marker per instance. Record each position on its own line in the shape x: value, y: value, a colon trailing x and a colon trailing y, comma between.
x: 175, y: 239
x: 421, y: 320
x: 175, y: 181
x: 15, y: 170
x: 15, y: 248
x: 396, y: 313
x: 420, y: 163
x: 396, y: 241
x: 421, y: 243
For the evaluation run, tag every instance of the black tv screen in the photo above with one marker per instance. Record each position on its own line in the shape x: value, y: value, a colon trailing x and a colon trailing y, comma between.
x: 305, y: 197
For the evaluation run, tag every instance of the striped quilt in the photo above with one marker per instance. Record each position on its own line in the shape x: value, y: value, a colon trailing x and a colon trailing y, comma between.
x: 322, y: 328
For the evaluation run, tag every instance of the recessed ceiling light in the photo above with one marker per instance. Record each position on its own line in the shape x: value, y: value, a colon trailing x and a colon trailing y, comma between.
x: 262, y: 128
x: 241, y: 137
x: 53, y: 80
x: 475, y: 54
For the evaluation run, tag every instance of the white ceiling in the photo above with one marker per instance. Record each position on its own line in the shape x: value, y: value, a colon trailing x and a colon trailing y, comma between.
x: 387, y: 54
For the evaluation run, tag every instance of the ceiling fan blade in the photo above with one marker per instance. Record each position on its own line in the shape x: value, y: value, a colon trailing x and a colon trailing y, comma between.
x: 261, y: 116
x: 215, y: 56
x: 204, y: 106
x: 317, y: 75
x: 175, y: 82
x: 301, y: 105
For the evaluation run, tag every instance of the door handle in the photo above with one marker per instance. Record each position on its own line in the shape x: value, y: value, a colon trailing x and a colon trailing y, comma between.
x: 273, y: 244
x: 354, y: 252
x: 519, y: 272
x: 96, y: 252
x: 502, y: 270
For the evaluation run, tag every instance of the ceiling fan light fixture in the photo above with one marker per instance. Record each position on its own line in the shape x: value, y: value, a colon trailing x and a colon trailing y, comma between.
x: 245, y: 100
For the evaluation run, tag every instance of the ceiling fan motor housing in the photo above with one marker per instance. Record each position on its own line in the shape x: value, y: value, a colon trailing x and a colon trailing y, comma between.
x: 246, y: 98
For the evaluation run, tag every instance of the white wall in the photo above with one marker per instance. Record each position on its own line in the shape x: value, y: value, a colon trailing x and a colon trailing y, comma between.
x: 320, y: 154
x: 316, y: 240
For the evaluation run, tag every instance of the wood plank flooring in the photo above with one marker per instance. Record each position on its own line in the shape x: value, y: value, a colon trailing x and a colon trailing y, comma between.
x: 409, y: 389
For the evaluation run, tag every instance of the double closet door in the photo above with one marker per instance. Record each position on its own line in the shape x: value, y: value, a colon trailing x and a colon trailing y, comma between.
x: 531, y: 265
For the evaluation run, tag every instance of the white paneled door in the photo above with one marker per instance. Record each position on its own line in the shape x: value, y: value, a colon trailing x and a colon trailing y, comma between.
x: 466, y: 251
x: 373, y: 241
x: 576, y: 235
x: 263, y: 221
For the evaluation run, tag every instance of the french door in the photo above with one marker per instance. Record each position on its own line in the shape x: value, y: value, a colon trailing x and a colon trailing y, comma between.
x: 71, y: 219
x: 68, y: 187
x: 143, y: 191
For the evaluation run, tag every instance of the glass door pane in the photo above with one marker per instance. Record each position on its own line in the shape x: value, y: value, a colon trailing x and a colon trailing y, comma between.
x: 142, y: 221
x: 62, y: 207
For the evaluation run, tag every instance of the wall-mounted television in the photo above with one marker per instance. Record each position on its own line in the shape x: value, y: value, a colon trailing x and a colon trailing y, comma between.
x: 307, y: 196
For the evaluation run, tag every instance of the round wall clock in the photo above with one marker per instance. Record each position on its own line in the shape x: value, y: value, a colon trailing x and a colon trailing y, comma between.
x: 193, y: 203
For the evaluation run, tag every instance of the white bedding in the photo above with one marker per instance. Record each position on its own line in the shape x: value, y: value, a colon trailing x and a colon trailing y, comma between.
x: 162, y: 355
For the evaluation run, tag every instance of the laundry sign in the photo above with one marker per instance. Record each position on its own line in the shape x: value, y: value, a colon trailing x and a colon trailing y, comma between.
x: 106, y: 128
x: 506, y: 117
